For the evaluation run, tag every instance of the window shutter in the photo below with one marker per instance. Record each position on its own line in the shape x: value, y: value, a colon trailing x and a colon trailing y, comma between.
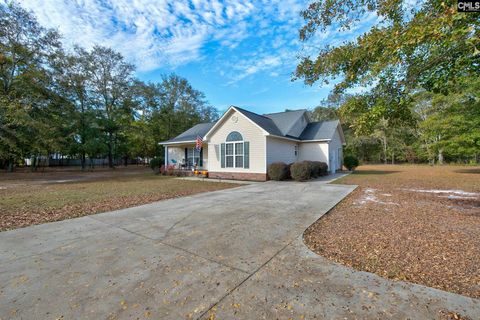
x: 222, y: 155
x: 246, y: 155
x: 186, y: 156
x: 200, y: 161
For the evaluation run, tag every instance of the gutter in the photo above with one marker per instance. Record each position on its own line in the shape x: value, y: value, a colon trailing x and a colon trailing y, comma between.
x: 175, y: 142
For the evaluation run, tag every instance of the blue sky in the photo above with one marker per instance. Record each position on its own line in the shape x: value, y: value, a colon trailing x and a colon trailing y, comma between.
x: 237, y: 52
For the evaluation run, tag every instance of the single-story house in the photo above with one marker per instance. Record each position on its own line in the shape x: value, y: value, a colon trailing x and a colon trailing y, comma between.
x: 241, y: 144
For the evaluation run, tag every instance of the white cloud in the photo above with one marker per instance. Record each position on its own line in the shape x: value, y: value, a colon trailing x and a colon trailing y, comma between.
x: 161, y: 33
x: 240, y: 37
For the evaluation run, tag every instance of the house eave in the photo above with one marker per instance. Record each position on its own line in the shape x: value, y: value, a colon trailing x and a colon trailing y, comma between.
x: 317, y: 140
x: 297, y: 140
x: 175, y: 142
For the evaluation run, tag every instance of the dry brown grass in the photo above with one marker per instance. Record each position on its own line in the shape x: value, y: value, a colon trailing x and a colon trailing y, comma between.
x: 34, y: 198
x: 387, y: 227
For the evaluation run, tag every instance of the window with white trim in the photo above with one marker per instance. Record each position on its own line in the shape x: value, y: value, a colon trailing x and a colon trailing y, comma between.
x: 229, y: 154
x: 193, y: 157
x: 234, y: 150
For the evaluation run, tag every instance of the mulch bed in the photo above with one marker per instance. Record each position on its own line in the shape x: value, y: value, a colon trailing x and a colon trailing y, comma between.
x: 414, y: 223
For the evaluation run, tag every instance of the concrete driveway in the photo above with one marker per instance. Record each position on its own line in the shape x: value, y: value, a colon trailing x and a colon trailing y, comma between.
x: 230, y: 254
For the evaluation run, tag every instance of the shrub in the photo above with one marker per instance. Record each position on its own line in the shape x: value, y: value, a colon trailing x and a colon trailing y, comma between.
x: 318, y: 168
x: 301, y: 171
x: 323, y: 168
x: 289, y: 173
x: 170, y: 170
x: 278, y: 171
x: 350, y: 162
x: 163, y: 170
x: 155, y: 164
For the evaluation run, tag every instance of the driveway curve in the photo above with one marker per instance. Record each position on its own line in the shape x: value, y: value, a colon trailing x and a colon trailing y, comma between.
x: 230, y: 254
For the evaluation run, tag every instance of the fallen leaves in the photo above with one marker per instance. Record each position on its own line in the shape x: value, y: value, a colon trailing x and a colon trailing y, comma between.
x: 427, y: 238
x: 450, y: 315
x: 29, y: 203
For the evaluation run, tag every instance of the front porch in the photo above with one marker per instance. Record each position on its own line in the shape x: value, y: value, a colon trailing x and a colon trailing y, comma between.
x: 185, y: 157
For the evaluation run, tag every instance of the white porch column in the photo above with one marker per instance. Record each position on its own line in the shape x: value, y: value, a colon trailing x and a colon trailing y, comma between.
x: 166, y: 156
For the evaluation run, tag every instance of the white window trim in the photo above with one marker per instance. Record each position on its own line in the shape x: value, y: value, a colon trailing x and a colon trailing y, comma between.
x: 195, y: 151
x: 234, y: 155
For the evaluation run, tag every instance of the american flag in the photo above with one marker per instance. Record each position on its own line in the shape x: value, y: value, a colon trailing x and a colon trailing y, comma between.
x: 198, y: 143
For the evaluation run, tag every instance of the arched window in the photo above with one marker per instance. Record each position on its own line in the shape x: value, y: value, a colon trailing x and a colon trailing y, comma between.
x: 234, y: 136
x: 234, y: 150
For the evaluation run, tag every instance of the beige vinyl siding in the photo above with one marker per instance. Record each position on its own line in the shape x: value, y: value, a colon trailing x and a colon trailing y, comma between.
x: 280, y: 150
x: 205, y: 156
x: 313, y: 151
x: 249, y: 131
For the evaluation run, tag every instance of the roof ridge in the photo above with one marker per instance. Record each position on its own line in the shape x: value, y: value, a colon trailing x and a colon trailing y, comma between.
x: 336, y: 120
x: 257, y: 114
x: 266, y: 114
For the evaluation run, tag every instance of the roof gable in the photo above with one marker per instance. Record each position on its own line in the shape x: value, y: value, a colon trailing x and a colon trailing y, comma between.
x: 263, y: 122
x: 288, y: 121
x: 322, y: 130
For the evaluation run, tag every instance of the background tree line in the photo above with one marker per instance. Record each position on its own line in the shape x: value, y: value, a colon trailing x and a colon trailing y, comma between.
x: 419, y: 67
x: 82, y: 103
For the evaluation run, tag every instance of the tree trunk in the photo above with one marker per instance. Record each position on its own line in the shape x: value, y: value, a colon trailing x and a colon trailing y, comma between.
x: 33, y: 167
x: 83, y: 160
x: 110, y: 157
x: 110, y: 151
x: 440, y: 156
x: 10, y: 165
x: 384, y: 140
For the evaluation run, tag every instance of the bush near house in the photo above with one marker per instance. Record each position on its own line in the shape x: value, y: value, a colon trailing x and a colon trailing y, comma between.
x: 318, y: 168
x: 155, y: 164
x: 301, y: 171
x: 278, y: 171
x: 350, y: 162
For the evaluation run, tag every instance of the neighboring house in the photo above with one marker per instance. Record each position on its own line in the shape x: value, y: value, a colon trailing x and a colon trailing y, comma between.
x: 241, y: 144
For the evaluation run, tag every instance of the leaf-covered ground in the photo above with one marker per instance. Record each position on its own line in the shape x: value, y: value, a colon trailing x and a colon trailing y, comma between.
x: 32, y: 198
x: 414, y: 223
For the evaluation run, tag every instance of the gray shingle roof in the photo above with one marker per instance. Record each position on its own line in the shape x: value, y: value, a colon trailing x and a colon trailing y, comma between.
x: 285, y: 120
x: 277, y: 124
x: 319, y: 130
x: 191, y: 134
x: 263, y: 122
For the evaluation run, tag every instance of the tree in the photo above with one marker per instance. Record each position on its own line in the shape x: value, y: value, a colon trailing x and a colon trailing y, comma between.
x: 109, y: 80
x: 450, y: 123
x: 72, y: 82
x: 82, y: 103
x: 324, y: 113
x: 429, y: 47
x: 26, y: 88
x: 178, y: 107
